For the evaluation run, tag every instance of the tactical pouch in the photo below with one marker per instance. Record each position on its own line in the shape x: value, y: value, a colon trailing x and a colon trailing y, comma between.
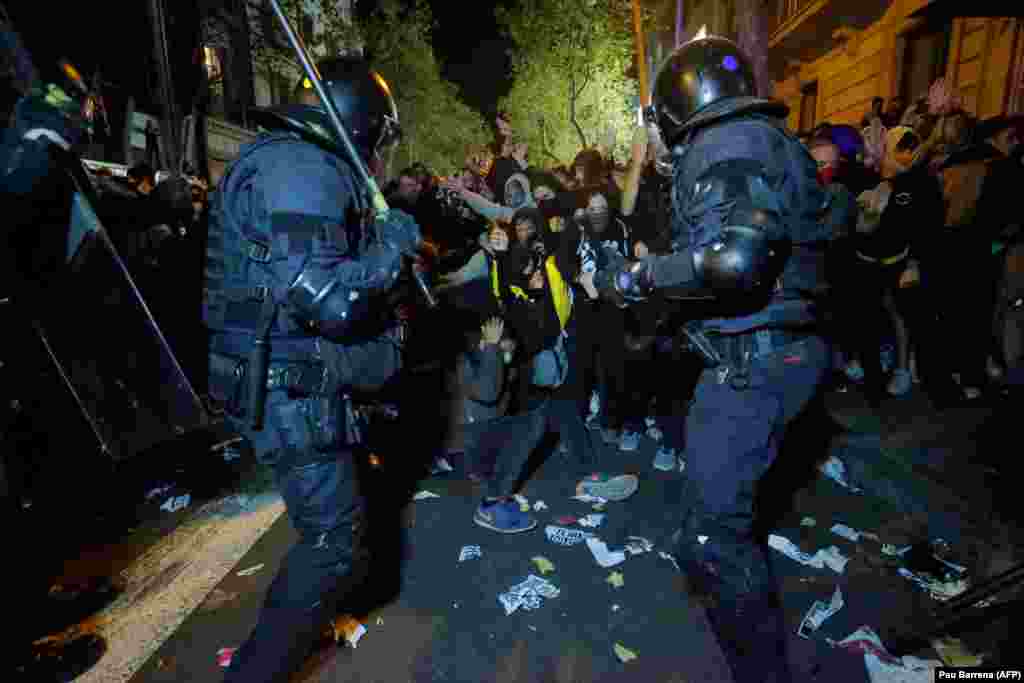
x: 310, y: 424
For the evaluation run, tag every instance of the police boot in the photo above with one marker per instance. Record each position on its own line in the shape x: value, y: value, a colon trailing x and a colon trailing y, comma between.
x: 741, y: 605
x: 59, y: 662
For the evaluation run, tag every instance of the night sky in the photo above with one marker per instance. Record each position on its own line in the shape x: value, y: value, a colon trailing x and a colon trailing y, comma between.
x: 473, y: 54
x: 118, y: 40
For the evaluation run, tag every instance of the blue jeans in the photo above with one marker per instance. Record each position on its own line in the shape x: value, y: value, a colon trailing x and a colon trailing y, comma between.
x: 732, y: 437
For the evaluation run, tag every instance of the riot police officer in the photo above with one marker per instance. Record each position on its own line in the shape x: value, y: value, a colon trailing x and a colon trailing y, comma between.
x: 297, y: 266
x: 747, y: 224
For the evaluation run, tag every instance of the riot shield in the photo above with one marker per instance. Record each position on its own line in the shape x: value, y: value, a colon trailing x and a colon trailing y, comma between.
x: 108, y: 349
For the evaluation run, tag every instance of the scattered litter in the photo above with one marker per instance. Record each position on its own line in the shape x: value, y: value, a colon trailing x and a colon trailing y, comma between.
x: 380, y: 621
x: 469, y: 552
x: 587, y: 498
x: 702, y: 539
x: 531, y: 627
x: 348, y: 629
x: 423, y: 495
x: 524, y: 504
x: 158, y: 491
x: 637, y: 545
x: 540, y: 505
x: 807, y: 521
x: 982, y: 604
x: 173, y: 504
x: 592, y: 521
x: 835, y: 469
x: 889, y: 549
x: 830, y: 557
x: 954, y: 653
x: 940, y: 590
x: 544, y: 565
x: 615, y: 608
x: 224, y: 656
x: 441, y: 466
x: 566, y: 520
x: 662, y: 554
x: 605, y: 557
x: 624, y: 653
x: 597, y: 507
x: 846, y: 532
x: 818, y: 613
x: 529, y: 594
x: 565, y: 536
x: 251, y: 570
x: 615, y: 579
x: 883, y: 667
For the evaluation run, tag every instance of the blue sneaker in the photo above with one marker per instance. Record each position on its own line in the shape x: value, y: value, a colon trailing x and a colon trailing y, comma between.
x: 504, y: 516
x: 629, y: 441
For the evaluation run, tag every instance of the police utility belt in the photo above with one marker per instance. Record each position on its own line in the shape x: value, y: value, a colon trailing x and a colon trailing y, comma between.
x: 731, y: 355
x: 298, y: 379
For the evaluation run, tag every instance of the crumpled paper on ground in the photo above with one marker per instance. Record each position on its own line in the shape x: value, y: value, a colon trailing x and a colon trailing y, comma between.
x: 469, y: 552
x: 624, y: 653
x: 940, y: 590
x: 852, y: 534
x: 883, y: 667
x: 423, y: 495
x: 665, y: 556
x: 524, y: 504
x: 593, y: 520
x: 835, y: 469
x: 818, y: 613
x: 606, y: 558
x: 565, y: 536
x: 544, y: 565
x: 529, y: 594
x: 827, y: 557
x: 636, y: 545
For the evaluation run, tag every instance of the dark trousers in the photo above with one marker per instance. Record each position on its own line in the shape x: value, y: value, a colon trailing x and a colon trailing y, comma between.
x: 503, y: 446
x: 321, y: 500
x: 733, y: 436
x: 600, y: 339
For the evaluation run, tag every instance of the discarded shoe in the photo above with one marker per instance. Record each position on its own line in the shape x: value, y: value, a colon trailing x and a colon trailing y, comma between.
x: 504, y: 516
x: 614, y: 488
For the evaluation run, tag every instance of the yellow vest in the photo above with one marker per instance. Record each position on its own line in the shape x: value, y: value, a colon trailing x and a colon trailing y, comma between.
x: 560, y: 292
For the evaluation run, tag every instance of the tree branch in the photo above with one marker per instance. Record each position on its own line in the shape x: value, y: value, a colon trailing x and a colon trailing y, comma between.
x: 544, y: 147
x: 572, y: 111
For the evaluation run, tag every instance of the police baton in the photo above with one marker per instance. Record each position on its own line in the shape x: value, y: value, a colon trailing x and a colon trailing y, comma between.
x: 380, y: 205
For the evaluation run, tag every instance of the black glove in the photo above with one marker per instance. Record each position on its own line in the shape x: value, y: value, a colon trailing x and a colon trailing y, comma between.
x: 622, y: 281
x: 401, y: 230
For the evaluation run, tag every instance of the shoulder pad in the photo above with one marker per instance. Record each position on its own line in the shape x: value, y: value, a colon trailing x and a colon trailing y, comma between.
x: 736, y: 192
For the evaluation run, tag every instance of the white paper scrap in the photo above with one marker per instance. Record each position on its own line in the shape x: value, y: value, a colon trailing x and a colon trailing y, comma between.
x: 846, y: 532
x: 565, y: 536
x: 835, y: 469
x: 423, y: 495
x: 587, y: 498
x: 665, y: 556
x: 592, y: 520
x: 605, y: 557
x: 818, y: 613
x: 636, y: 545
x: 540, y: 505
x: 469, y: 552
x: 830, y: 557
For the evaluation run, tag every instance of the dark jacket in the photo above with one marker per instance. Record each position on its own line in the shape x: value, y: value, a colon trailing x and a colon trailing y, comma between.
x: 914, y: 210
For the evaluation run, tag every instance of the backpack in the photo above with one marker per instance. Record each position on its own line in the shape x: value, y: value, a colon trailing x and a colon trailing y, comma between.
x: 551, y: 366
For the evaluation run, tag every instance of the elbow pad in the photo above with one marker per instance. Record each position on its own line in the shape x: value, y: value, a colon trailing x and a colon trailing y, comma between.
x: 742, y: 259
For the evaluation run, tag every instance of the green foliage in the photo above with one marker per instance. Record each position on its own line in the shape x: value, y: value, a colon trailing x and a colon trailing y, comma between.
x: 438, y: 126
x: 570, y: 75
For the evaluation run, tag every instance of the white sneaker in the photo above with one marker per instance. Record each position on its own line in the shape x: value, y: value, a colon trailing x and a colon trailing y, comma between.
x: 665, y: 459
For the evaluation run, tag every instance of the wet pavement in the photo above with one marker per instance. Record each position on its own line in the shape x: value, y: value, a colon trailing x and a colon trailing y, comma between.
x: 430, y: 617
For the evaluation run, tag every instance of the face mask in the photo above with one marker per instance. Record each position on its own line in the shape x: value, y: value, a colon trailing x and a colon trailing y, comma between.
x: 826, y: 175
x: 598, y: 219
x: 507, y: 355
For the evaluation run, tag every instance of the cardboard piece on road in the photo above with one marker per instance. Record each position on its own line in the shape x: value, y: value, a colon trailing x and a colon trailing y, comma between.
x: 615, y: 579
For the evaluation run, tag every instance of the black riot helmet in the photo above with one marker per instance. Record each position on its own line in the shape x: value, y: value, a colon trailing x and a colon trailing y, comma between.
x: 362, y: 98
x: 698, y: 74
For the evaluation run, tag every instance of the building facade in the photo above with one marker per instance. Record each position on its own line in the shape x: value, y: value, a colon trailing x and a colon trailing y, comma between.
x: 830, y: 58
